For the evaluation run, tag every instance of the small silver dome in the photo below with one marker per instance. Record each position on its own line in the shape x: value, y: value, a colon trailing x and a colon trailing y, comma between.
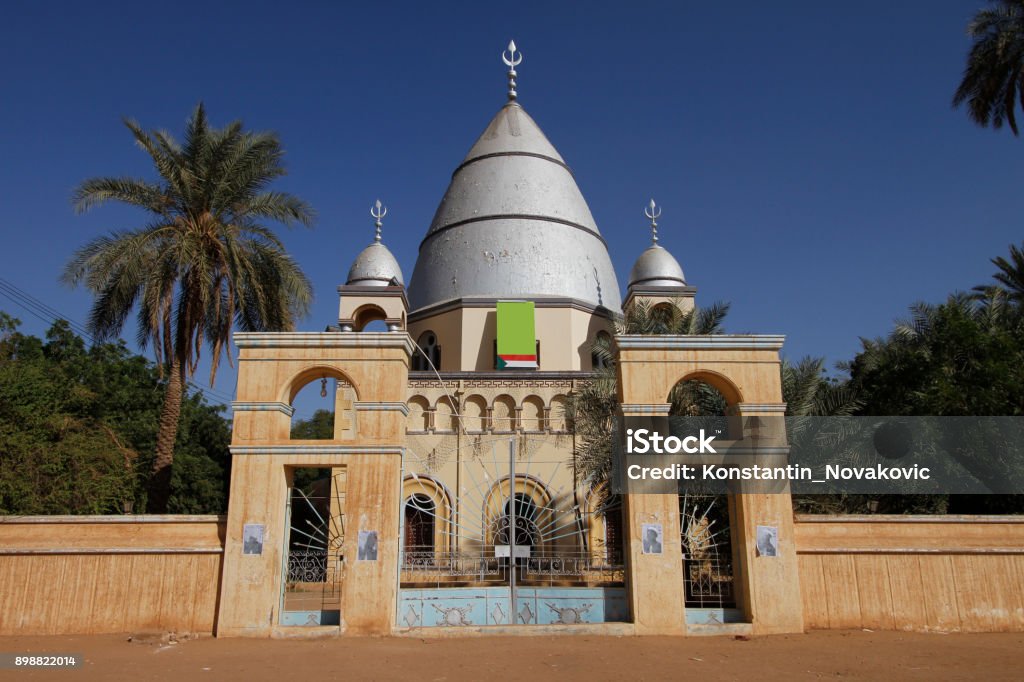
x: 376, y: 267
x: 656, y: 267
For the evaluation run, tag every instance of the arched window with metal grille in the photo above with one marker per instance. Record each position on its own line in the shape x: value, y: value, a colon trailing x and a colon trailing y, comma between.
x: 420, y: 512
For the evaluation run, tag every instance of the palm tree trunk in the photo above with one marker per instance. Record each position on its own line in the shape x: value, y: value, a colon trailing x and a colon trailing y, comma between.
x: 160, y: 475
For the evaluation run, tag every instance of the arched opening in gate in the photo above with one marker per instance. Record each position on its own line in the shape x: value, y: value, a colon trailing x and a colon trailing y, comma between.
x: 705, y: 401
x: 322, y: 400
x: 314, y: 546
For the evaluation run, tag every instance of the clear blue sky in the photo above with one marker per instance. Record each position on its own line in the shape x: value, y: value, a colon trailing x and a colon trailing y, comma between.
x: 810, y: 167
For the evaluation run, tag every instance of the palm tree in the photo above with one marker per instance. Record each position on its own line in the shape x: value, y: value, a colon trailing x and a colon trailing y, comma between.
x: 993, y: 80
x: 647, y: 318
x: 808, y: 393
x: 1010, y: 275
x: 204, y: 263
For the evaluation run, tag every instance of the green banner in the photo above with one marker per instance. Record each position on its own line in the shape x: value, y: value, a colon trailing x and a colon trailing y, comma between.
x: 517, y: 339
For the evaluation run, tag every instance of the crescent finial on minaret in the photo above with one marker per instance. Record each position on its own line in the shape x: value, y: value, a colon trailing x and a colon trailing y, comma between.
x: 653, y: 211
x: 378, y: 211
x: 511, y: 61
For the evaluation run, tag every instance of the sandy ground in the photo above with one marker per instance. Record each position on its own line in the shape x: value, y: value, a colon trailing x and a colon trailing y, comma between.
x: 850, y: 655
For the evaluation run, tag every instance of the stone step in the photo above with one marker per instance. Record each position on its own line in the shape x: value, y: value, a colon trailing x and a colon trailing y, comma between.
x: 720, y: 629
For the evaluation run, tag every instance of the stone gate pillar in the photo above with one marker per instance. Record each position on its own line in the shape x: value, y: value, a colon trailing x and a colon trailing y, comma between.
x: 370, y: 413
x: 655, y: 581
x: 746, y: 370
x: 769, y: 589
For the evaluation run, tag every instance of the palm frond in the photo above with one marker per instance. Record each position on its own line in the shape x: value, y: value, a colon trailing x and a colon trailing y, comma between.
x: 208, y: 262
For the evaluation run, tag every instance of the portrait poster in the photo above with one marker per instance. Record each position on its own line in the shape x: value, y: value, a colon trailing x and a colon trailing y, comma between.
x: 367, y: 548
x: 767, y: 540
x: 252, y: 538
x: 653, y: 538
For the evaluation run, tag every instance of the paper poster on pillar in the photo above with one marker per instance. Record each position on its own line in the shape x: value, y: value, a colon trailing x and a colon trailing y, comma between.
x: 767, y: 541
x: 653, y: 538
x: 367, y: 545
x: 252, y: 538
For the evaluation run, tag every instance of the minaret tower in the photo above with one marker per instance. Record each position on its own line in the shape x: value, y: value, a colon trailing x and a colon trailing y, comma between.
x: 374, y: 289
x: 656, y: 276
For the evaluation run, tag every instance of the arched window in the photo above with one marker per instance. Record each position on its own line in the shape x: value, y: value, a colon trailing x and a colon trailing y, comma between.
x: 475, y: 414
x: 420, y: 512
x: 503, y: 413
x: 429, y: 348
x: 533, y: 414
x: 445, y: 418
x: 369, y: 318
x: 702, y: 404
x: 600, y: 355
x: 419, y: 415
x: 314, y: 415
x: 558, y: 421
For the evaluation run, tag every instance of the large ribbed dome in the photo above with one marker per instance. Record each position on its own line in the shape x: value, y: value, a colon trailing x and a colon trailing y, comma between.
x: 513, y: 224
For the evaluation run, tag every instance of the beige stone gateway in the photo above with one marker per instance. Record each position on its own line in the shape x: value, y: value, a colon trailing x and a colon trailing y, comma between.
x: 449, y: 497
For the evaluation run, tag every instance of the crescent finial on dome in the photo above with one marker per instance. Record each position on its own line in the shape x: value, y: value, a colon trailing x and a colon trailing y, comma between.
x: 653, y: 211
x: 511, y: 61
x: 378, y: 211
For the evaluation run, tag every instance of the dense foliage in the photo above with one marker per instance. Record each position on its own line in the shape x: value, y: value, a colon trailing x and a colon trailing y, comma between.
x: 78, y: 427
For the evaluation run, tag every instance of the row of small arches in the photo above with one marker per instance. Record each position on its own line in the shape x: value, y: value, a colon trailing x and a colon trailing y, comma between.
x: 502, y: 415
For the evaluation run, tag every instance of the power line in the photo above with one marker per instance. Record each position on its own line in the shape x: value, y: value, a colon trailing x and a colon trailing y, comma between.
x: 48, y: 314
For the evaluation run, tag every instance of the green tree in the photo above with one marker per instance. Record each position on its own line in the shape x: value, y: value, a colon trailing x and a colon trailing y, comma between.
x: 204, y: 263
x: 77, y: 427
x: 318, y: 427
x: 993, y: 79
x: 1009, y: 279
x: 964, y: 357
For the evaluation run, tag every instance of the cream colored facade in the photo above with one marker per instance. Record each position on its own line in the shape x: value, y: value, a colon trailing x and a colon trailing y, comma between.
x: 465, y: 474
x: 466, y: 332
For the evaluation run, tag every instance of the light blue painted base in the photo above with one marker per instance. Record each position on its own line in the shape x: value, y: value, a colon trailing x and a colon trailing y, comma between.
x: 310, y: 618
x: 461, y: 606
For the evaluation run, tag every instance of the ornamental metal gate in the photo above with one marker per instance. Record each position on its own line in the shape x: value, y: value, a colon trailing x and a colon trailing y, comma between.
x: 498, y: 533
x: 314, y: 569
x: 706, y: 539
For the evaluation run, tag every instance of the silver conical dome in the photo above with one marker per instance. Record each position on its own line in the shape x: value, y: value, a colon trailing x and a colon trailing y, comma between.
x: 375, y: 266
x: 513, y: 224
x: 656, y: 267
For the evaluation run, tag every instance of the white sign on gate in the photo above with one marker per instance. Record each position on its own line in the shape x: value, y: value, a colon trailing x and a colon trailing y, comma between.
x: 504, y: 551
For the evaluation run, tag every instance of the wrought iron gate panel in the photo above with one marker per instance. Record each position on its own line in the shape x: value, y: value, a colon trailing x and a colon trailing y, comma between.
x: 706, y: 540
x: 314, y: 569
x: 503, y: 553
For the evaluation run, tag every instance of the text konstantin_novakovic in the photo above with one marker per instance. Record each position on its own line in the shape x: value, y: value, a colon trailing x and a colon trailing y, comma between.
x: 642, y: 441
